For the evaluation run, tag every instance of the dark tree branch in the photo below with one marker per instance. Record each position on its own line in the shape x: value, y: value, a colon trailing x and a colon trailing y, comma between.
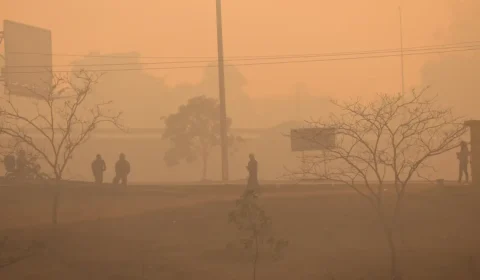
x: 60, y: 118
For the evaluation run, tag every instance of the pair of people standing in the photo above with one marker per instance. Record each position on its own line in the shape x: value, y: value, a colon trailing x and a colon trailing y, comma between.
x: 122, y: 169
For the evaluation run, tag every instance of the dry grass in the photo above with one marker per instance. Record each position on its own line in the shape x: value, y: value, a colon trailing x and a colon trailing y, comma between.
x: 181, y: 233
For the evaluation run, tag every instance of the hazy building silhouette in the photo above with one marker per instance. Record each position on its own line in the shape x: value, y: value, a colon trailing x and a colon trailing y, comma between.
x: 454, y: 76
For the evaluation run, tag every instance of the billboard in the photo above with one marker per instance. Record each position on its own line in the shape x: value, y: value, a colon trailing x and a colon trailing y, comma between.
x: 312, y: 139
x: 28, y: 59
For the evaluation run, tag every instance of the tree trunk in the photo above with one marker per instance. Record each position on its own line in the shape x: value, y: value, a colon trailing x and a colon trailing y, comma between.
x: 396, y: 214
x: 56, y: 198
x: 472, y: 269
x: 55, y: 207
x: 205, y: 164
x: 255, y: 258
x: 393, y: 253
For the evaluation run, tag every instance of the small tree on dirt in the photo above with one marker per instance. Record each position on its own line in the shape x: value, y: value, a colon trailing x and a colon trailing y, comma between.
x: 394, y: 135
x: 62, y: 119
x: 255, y: 228
x: 194, y: 131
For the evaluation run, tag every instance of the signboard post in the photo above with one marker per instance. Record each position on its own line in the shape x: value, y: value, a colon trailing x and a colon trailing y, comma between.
x: 474, y: 126
x: 28, y: 59
x: 313, y: 139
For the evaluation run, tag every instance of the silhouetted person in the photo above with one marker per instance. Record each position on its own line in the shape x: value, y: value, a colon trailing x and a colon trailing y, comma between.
x: 122, y: 169
x: 463, y: 161
x: 98, y: 167
x: 252, y: 169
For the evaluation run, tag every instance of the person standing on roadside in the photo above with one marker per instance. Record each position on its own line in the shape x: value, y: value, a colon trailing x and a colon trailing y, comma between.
x: 252, y: 169
x: 122, y: 169
x: 463, y: 156
x: 98, y: 167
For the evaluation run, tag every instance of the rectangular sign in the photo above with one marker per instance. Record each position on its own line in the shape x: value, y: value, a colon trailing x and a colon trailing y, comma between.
x: 28, y: 59
x: 312, y: 139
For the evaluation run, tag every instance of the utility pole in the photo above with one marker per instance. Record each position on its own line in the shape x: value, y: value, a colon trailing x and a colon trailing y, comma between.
x: 401, y: 59
x: 401, y: 49
x: 221, y: 86
x: 2, y: 79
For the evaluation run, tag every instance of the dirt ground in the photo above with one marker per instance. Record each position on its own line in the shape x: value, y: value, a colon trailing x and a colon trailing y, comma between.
x: 183, y: 232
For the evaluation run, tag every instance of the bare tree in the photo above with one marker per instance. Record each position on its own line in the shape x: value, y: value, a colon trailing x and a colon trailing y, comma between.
x: 394, y: 136
x: 256, y: 228
x: 63, y: 119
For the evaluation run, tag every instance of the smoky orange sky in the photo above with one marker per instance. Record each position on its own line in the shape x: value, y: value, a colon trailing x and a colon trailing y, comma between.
x: 251, y: 28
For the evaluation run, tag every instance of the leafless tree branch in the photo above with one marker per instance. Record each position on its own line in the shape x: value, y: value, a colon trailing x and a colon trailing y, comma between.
x: 395, y: 135
x: 61, y: 119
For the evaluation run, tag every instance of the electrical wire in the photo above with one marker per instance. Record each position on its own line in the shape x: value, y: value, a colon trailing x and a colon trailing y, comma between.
x: 245, y: 59
x: 253, y: 63
x: 237, y: 57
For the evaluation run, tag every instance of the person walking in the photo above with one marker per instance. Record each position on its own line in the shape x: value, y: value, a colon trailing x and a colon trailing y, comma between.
x: 98, y: 167
x: 252, y: 169
x: 122, y: 169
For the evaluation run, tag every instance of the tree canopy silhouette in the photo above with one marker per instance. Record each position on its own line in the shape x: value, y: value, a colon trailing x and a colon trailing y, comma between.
x: 194, y: 131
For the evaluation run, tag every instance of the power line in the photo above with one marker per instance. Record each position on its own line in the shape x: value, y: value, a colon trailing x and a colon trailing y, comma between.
x: 257, y: 63
x: 401, y: 52
x: 249, y: 59
x: 238, y: 57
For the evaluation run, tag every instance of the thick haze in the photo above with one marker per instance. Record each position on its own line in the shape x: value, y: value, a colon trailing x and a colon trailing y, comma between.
x: 455, y: 77
x: 257, y: 96
x: 251, y: 28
